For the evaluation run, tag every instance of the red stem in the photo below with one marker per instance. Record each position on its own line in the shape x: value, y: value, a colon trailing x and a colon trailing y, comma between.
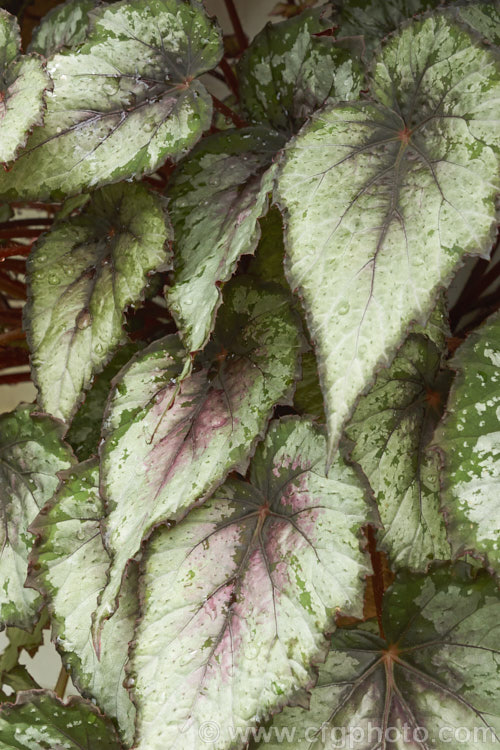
x: 13, y: 357
x: 18, y: 223
x: 230, y: 77
x: 11, y: 287
x: 15, y: 248
x: 17, y: 334
x: 11, y: 317
x: 238, y: 28
x: 378, y: 577
x: 16, y: 266
x: 8, y: 234
x: 15, y: 377
x: 228, y: 112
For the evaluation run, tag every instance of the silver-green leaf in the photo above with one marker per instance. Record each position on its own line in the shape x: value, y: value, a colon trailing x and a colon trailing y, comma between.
x: 216, y: 199
x: 68, y: 567
x: 65, y: 25
x: 167, y: 444
x: 82, y: 275
x: 32, y: 452
x: 391, y: 430
x: 470, y: 441
x: 237, y: 596
x: 123, y: 102
x: 432, y: 681
x: 23, y: 82
x: 383, y: 199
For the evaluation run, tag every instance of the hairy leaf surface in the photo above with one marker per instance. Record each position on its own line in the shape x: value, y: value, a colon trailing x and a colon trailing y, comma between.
x: 63, y: 26
x: 385, y: 198
x: 38, y: 720
x: 237, y: 595
x: 31, y: 454
x: 123, y: 102
x: 169, y: 445
x: 23, y: 81
x: 68, y: 566
x: 216, y: 199
x: 82, y: 275
x: 287, y: 72
x: 470, y: 441
x: 437, y: 671
x: 391, y: 429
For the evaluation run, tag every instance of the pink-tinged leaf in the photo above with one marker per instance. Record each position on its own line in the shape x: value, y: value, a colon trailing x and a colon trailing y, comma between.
x: 168, y: 446
x: 238, y: 595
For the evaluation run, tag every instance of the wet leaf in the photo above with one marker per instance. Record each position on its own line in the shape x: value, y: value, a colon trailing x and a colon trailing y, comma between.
x: 23, y: 81
x: 68, y: 567
x: 391, y: 430
x: 31, y: 454
x: 65, y: 25
x: 433, y: 680
x: 82, y: 275
x: 122, y: 103
x: 470, y: 441
x: 38, y: 720
x: 169, y: 445
x: 216, y: 199
x: 237, y: 595
x: 366, y: 263
x: 287, y: 72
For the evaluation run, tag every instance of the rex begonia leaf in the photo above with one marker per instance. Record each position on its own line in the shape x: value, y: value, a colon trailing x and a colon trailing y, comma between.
x: 169, y: 445
x: 32, y: 452
x: 433, y: 681
x: 65, y: 25
x: 384, y: 198
x: 82, y: 275
x: 287, y: 72
x: 39, y: 720
x: 20, y: 640
x: 23, y: 81
x: 470, y: 441
x: 85, y: 429
x: 216, y: 199
x: 68, y: 566
x: 391, y: 430
x: 238, y: 595
x: 123, y: 102
x: 484, y: 18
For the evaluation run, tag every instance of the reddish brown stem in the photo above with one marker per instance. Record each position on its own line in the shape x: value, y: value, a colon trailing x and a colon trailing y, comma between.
x: 19, y: 223
x: 230, y: 77
x: 13, y: 357
x: 17, y: 334
x: 15, y: 377
x: 378, y: 577
x: 16, y: 266
x: 11, y: 318
x: 11, y: 287
x: 10, y: 234
x: 228, y: 112
x: 238, y: 28
x: 15, y: 248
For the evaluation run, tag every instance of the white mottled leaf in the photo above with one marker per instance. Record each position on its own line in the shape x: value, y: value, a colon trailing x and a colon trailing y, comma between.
x: 216, y: 199
x: 383, y: 200
x: 123, y: 102
x: 169, y: 445
x: 470, y: 441
x: 82, y: 275
x: 68, y: 567
x: 237, y: 596
x: 31, y: 454
x: 65, y: 25
x: 391, y: 430
x: 23, y: 81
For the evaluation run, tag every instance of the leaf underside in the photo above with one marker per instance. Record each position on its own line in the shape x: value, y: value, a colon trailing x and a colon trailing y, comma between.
x: 82, y: 276
x: 437, y: 672
x: 384, y: 199
x: 168, y: 445
x: 123, y: 102
x: 237, y: 595
x: 470, y: 441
